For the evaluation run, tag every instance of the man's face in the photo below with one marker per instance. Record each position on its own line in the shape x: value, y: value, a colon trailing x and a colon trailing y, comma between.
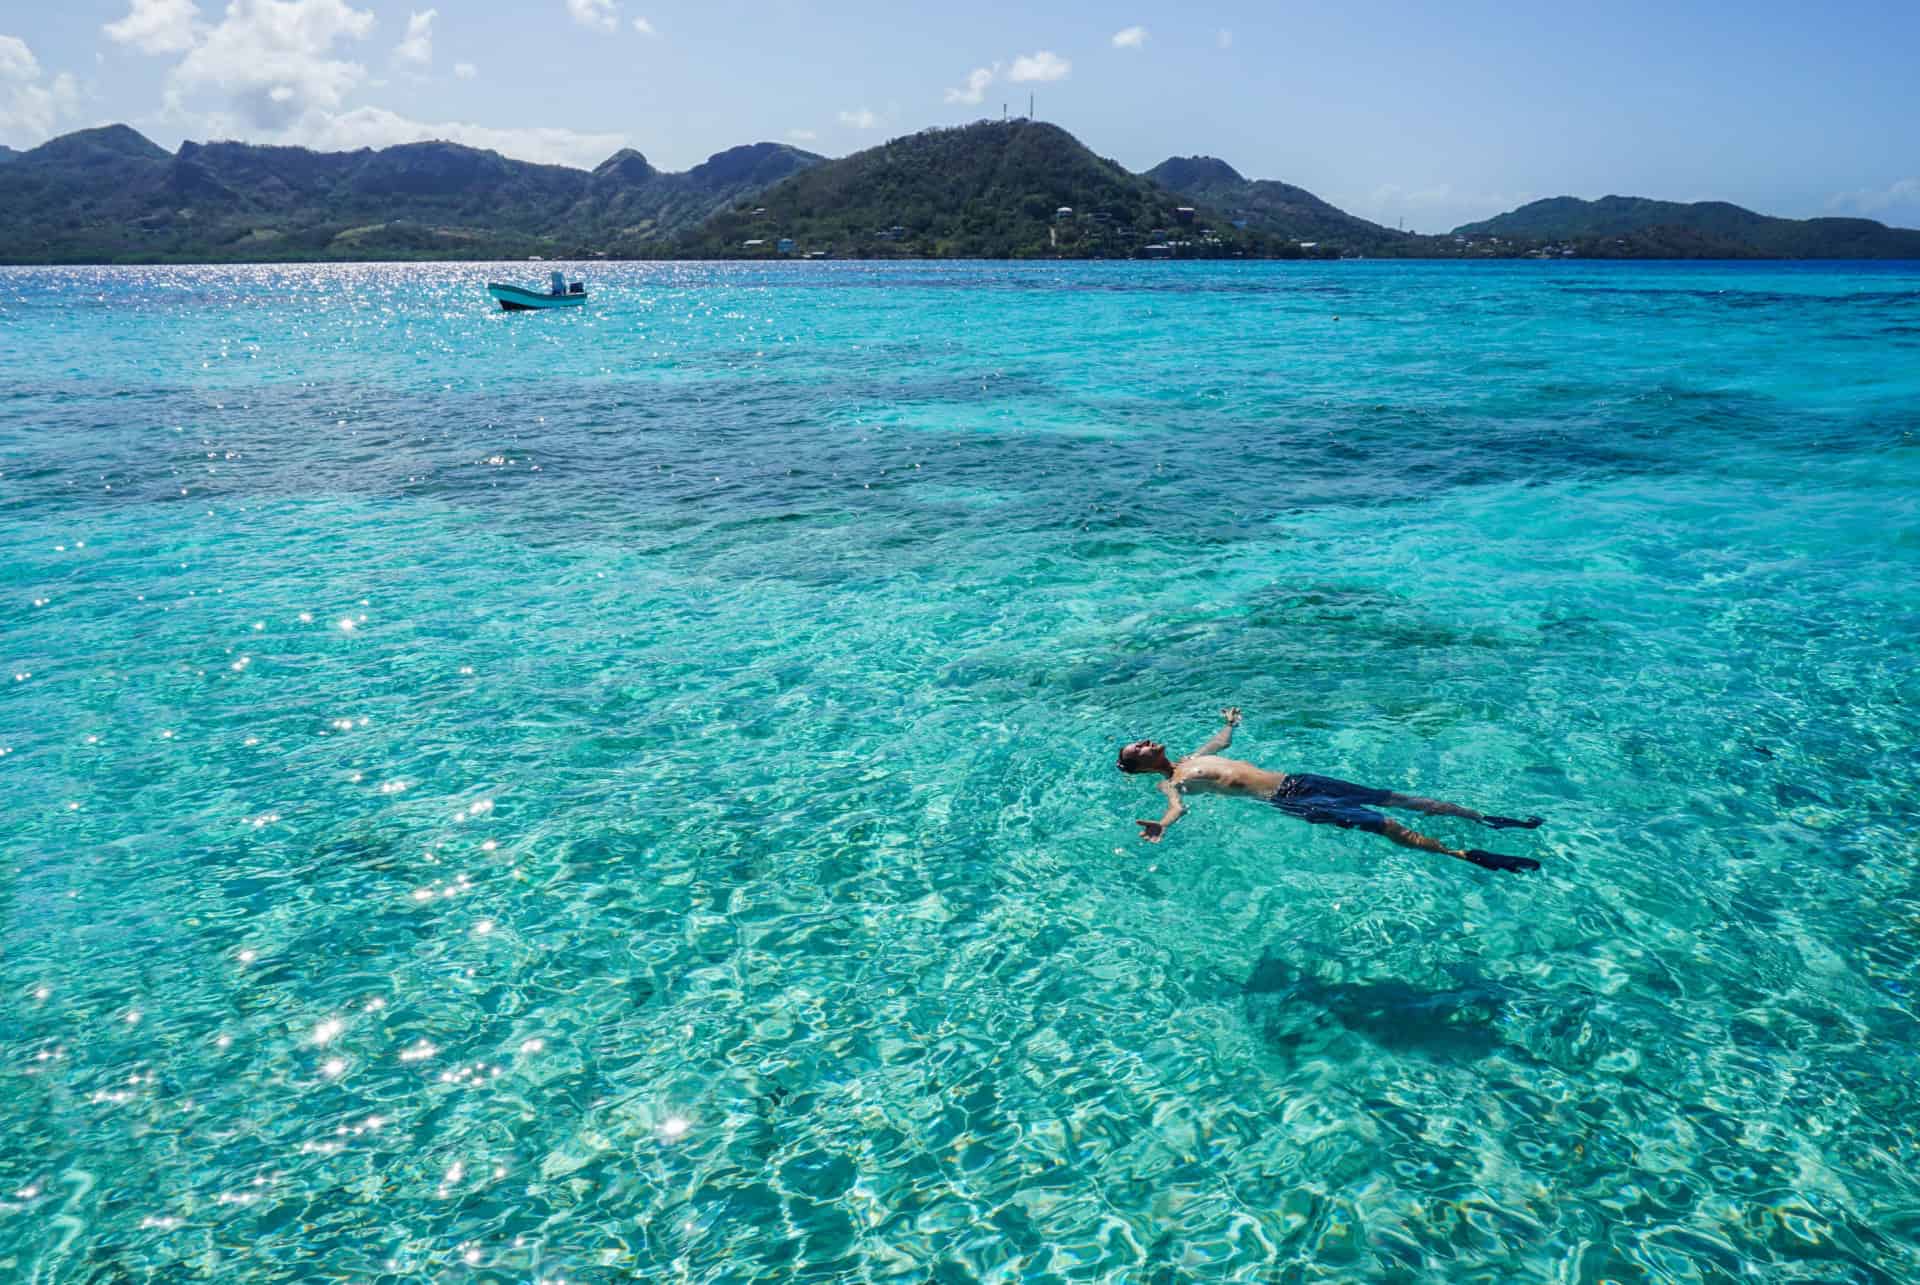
x: 1141, y: 753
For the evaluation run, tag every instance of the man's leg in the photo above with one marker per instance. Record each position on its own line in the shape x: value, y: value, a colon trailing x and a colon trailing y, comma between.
x: 1329, y: 809
x: 1436, y: 808
x: 1408, y: 838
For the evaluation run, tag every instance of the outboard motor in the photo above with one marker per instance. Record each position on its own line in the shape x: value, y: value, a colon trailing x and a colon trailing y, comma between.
x: 559, y: 284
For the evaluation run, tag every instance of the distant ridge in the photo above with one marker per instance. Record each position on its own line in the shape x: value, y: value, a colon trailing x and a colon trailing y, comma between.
x: 1196, y: 173
x: 112, y: 195
x: 1270, y: 206
x: 100, y: 146
x: 1636, y: 227
x: 625, y: 166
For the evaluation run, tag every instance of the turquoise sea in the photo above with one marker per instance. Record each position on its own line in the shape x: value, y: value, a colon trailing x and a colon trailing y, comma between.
x: 629, y: 795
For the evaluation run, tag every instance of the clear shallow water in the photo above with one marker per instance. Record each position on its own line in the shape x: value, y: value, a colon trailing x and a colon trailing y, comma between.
x: 701, y: 857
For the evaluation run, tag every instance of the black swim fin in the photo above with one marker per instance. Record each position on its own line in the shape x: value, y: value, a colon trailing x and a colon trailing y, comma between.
x: 1499, y: 860
x: 1513, y: 823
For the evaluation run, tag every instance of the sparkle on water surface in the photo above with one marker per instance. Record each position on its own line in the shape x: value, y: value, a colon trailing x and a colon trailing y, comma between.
x: 629, y: 794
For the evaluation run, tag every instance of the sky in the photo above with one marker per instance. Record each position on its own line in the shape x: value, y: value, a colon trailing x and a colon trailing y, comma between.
x: 1415, y: 114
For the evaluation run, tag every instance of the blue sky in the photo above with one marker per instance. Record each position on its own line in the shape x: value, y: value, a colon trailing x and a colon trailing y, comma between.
x: 1428, y: 113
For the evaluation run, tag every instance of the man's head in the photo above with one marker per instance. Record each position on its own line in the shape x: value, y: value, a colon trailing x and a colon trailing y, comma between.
x: 1145, y: 756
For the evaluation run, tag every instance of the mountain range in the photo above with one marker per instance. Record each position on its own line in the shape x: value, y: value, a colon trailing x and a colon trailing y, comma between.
x: 111, y: 195
x: 993, y: 189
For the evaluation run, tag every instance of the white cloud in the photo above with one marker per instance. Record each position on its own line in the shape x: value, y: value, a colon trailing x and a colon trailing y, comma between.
x: 378, y: 127
x: 417, y: 47
x: 977, y: 81
x: 802, y: 135
x: 862, y: 119
x: 1042, y: 66
x: 1223, y: 38
x: 1901, y: 195
x: 644, y: 27
x: 600, y: 15
x: 29, y: 108
x: 157, y: 26
x: 1130, y: 38
x: 273, y: 58
x: 17, y: 62
x: 272, y: 72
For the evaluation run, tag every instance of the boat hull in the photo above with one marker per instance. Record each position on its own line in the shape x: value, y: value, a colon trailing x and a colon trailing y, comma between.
x: 519, y: 299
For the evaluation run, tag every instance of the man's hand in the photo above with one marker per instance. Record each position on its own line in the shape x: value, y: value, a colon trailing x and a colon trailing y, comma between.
x: 1151, y: 830
x: 1232, y: 714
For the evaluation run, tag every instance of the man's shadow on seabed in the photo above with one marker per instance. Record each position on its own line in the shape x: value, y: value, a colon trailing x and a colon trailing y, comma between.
x: 1297, y: 1012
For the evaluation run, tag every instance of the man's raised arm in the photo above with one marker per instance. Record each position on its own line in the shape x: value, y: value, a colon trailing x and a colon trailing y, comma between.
x: 1224, y: 737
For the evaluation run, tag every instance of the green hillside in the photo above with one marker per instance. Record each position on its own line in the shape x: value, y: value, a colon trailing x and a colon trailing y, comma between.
x: 110, y: 195
x: 994, y: 189
x: 1636, y: 227
x: 1269, y: 206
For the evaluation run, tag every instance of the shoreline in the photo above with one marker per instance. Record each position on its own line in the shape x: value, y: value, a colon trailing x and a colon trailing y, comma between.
x: 924, y: 259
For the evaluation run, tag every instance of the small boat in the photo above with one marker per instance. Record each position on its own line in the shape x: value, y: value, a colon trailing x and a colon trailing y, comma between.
x: 520, y: 299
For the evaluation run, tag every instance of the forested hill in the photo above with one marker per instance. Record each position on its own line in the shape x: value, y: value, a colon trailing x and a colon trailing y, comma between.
x: 1636, y: 227
x: 993, y: 189
x: 1268, y: 205
x: 110, y: 195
